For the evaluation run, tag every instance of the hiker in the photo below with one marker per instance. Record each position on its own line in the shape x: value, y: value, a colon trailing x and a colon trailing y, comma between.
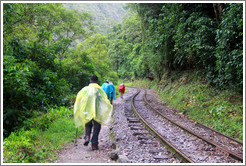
x: 112, y: 92
x: 109, y: 89
x: 122, y: 89
x: 104, y: 86
x: 91, y: 109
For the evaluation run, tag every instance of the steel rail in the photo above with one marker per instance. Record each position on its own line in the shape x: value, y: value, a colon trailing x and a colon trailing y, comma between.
x: 202, y: 125
x: 230, y: 153
x: 181, y: 154
x: 227, y: 136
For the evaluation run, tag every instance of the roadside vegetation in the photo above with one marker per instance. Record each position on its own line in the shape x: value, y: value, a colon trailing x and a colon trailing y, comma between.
x: 193, y: 53
x: 191, y: 94
x: 41, y: 137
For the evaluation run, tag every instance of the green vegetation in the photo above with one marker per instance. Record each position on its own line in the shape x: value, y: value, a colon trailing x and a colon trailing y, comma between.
x: 192, y: 95
x: 156, y: 38
x: 192, y: 52
x: 41, y: 137
x: 160, y: 41
x: 40, y: 64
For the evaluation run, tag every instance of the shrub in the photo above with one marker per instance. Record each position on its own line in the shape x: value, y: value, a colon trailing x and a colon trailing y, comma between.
x: 40, y: 138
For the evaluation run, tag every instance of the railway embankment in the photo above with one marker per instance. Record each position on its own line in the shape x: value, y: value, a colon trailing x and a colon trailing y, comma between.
x: 188, y: 93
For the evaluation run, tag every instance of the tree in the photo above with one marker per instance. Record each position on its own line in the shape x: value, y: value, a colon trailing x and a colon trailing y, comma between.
x: 229, y: 51
x: 96, y: 47
x: 205, y: 37
x: 34, y: 76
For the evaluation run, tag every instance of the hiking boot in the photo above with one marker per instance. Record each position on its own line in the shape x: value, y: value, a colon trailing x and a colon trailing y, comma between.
x: 94, y: 146
x: 87, y: 140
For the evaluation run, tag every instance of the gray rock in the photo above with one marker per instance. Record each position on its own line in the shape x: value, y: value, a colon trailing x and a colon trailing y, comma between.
x: 123, y: 159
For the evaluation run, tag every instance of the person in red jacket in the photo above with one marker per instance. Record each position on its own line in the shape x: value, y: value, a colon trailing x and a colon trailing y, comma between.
x: 122, y: 89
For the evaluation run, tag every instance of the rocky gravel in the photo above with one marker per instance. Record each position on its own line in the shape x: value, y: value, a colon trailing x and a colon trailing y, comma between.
x: 198, y: 150
x: 129, y: 147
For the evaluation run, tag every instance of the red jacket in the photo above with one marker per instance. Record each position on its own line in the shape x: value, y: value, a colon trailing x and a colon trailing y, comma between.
x: 122, y: 88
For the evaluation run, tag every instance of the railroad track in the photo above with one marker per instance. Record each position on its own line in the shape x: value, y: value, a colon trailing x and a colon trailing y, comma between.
x: 146, y: 139
x: 226, y: 144
x: 187, y: 144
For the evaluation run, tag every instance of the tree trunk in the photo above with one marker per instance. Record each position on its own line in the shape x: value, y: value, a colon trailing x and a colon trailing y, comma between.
x: 218, y: 8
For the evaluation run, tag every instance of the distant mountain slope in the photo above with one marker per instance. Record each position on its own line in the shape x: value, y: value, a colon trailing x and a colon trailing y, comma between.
x: 105, y: 14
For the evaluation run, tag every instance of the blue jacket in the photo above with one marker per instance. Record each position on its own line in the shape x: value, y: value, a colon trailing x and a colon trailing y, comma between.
x: 112, y: 90
x: 104, y: 85
x: 109, y: 89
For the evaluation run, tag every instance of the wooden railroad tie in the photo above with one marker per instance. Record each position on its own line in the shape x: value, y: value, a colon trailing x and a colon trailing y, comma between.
x: 136, y: 128
x: 134, y: 121
x: 160, y: 157
x: 142, y: 137
x: 155, y: 151
x: 140, y: 133
x: 134, y: 124
x: 146, y: 142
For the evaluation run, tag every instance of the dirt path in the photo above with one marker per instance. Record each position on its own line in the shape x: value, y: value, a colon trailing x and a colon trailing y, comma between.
x: 78, y: 153
x: 83, y: 154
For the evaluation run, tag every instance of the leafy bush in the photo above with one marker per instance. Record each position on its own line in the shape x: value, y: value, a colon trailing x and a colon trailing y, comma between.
x: 229, y: 51
x: 44, y: 120
x: 31, y: 81
x: 194, y: 42
x: 36, y: 39
x: 40, y: 138
x: 17, y: 94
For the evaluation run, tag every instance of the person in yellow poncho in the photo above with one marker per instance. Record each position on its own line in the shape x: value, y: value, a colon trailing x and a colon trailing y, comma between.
x: 92, y: 108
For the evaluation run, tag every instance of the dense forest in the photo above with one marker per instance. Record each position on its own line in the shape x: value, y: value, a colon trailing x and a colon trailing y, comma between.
x: 166, y: 37
x: 42, y: 66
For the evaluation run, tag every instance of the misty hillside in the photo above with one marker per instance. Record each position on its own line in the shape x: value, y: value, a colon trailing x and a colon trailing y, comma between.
x: 105, y: 14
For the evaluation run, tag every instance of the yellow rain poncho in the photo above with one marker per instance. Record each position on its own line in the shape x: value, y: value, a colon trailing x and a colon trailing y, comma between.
x: 92, y: 103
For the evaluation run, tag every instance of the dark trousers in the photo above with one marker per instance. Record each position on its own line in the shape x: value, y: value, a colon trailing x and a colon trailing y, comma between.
x: 111, y: 100
x: 96, y: 130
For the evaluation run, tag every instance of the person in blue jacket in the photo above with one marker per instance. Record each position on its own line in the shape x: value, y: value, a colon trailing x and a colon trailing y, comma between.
x: 112, y: 92
x: 109, y: 89
x: 104, y: 86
